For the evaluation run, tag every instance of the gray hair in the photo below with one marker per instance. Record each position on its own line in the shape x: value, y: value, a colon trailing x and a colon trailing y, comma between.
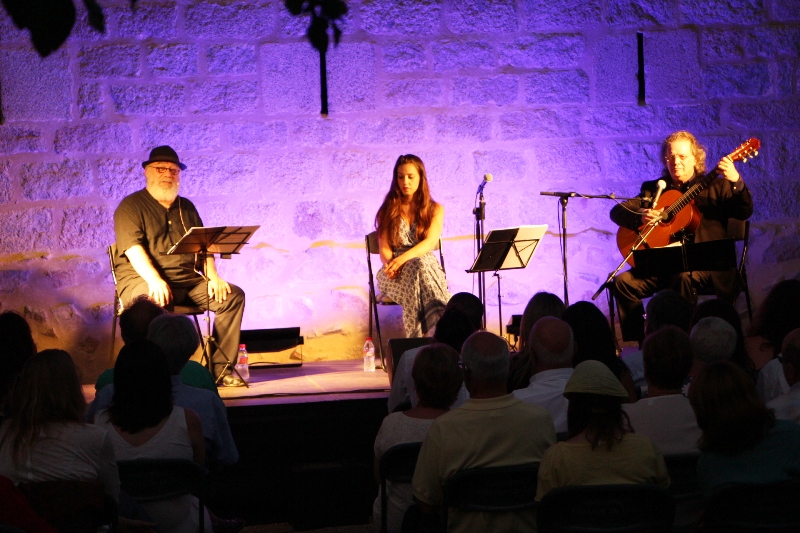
x: 713, y: 339
x: 177, y: 337
x: 486, y: 356
x: 552, y: 342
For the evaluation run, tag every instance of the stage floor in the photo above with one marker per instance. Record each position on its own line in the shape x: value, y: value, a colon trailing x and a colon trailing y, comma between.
x: 313, y: 382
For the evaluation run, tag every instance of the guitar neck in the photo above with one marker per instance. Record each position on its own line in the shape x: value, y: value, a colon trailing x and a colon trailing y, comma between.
x: 692, y: 192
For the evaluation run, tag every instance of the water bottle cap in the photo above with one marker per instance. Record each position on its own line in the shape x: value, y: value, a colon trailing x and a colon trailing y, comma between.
x: 369, y: 338
x: 242, y: 346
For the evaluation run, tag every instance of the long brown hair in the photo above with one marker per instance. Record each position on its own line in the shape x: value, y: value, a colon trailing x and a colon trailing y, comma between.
x: 422, y: 207
x: 601, y: 416
x: 48, y: 391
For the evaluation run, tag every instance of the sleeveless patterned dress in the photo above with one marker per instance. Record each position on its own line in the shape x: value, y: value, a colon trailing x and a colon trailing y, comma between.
x: 420, y: 287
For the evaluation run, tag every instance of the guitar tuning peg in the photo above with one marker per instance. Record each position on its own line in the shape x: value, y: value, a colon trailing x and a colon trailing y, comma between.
x: 755, y: 153
x: 744, y: 160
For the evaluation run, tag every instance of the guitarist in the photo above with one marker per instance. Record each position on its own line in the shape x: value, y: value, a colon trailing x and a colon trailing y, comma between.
x: 727, y: 197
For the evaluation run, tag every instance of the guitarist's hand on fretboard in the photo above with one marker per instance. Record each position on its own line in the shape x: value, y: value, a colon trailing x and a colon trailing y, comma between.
x: 727, y: 169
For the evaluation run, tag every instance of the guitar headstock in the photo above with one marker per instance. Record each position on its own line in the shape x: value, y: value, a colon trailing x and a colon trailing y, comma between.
x: 747, y: 150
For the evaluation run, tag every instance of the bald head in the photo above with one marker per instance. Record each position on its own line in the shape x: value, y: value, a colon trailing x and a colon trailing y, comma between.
x: 552, y: 343
x: 485, y: 355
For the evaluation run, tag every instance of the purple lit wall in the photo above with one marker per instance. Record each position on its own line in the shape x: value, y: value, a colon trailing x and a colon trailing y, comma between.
x: 540, y: 93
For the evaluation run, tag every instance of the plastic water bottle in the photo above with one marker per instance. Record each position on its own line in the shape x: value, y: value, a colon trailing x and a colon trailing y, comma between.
x: 242, y: 366
x: 369, y: 356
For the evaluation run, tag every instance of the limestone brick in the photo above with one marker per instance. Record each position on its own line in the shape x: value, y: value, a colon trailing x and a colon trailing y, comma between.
x: 338, y: 220
x: 90, y: 100
x: 211, y: 97
x: 317, y: 132
x: 180, y: 135
x: 86, y: 227
x: 413, y: 93
x: 20, y: 139
x: 498, y: 90
x: 26, y: 230
x: 5, y: 182
x: 47, y: 95
x: 722, y: 12
x: 615, y: 70
x: 403, y: 130
x: 255, y: 135
x: 172, y: 60
x: 12, y: 281
x: 453, y: 55
x: 481, y: 16
x: 557, y: 86
x: 231, y: 59
x: 56, y: 180
x: 94, y: 138
x: 739, y: 80
x: 293, y: 175
x: 150, y: 19
x: 289, y: 78
x: 721, y: 44
x: 229, y: 19
x: 540, y: 123
x: 618, y: 121
x: 462, y: 127
x: 638, y: 13
x: 233, y: 174
x: 352, y: 80
x: 568, y: 14
x: 153, y: 99
x: 671, y: 66
x: 404, y: 56
x: 109, y: 60
x: 117, y: 178
x: 506, y: 165
x: 563, y: 161
x: 401, y: 17
x: 547, y: 50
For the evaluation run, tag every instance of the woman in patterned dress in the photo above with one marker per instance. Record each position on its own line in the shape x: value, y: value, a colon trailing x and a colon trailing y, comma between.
x: 409, y: 225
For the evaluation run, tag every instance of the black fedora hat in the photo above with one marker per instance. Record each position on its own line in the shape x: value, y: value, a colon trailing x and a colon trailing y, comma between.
x: 164, y: 153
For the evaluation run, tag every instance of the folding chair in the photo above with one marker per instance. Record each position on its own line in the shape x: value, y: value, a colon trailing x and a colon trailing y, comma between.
x: 492, y: 489
x: 189, y: 310
x: 375, y: 299
x: 397, y: 465
x: 753, y: 508
x: 606, y: 509
x: 72, y: 506
x: 147, y: 480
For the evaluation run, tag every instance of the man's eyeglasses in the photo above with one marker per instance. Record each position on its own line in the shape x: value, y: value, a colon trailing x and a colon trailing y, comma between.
x: 164, y: 170
x: 672, y: 158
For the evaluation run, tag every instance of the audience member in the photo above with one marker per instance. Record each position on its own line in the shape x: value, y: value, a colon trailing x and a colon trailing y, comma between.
x: 16, y: 346
x: 601, y: 448
x: 777, y: 315
x: 521, y: 367
x: 594, y: 340
x: 178, y: 340
x: 437, y: 380
x: 470, y: 305
x: 45, y: 438
x: 143, y: 424
x: 492, y: 428
x: 666, y: 416
x: 712, y: 340
x: 133, y: 324
x: 787, y: 406
x: 452, y: 329
x: 16, y: 514
x: 742, y: 442
x: 551, y: 351
x: 665, y: 308
x: 727, y: 312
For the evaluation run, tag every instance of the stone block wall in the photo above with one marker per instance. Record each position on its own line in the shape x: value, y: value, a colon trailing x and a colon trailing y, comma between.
x: 541, y: 94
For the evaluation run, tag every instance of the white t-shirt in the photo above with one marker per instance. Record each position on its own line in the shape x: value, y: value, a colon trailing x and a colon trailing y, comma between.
x: 547, y: 390
x: 771, y: 382
x: 668, y: 420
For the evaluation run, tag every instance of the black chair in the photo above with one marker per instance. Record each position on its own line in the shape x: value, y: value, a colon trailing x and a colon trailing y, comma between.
x: 147, y: 480
x: 683, y: 475
x: 376, y: 299
x: 397, y: 347
x: 753, y: 508
x: 606, y: 509
x: 492, y: 489
x: 189, y: 310
x: 72, y: 506
x: 397, y: 465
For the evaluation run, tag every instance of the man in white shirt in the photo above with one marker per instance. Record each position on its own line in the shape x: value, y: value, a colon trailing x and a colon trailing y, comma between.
x: 552, y: 348
x: 666, y: 416
x: 787, y: 406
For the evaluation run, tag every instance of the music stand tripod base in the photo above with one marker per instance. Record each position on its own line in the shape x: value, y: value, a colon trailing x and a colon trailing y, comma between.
x: 223, y: 240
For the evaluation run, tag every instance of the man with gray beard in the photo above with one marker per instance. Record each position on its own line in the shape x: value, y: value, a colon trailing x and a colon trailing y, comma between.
x: 149, y: 222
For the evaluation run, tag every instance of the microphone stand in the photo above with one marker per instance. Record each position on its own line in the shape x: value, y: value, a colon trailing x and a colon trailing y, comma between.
x: 480, y: 214
x: 563, y: 199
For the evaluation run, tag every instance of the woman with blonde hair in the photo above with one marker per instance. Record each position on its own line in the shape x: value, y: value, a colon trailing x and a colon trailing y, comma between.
x: 409, y: 224
x: 45, y: 438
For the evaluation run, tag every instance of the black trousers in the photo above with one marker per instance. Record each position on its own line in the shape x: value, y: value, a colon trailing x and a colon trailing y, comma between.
x: 630, y: 287
x: 227, y: 315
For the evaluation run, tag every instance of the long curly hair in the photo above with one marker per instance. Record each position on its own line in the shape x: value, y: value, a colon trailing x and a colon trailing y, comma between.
x: 422, y: 207
x: 698, y: 150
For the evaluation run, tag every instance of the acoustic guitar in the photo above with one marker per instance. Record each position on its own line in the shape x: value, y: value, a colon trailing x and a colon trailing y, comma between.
x: 680, y: 212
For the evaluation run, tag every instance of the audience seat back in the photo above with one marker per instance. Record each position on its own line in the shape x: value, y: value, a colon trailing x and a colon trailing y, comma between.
x: 751, y: 508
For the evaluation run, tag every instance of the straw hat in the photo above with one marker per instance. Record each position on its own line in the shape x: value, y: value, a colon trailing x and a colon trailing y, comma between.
x: 593, y: 377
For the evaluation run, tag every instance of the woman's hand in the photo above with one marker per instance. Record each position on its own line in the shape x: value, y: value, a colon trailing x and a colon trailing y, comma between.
x: 392, y: 268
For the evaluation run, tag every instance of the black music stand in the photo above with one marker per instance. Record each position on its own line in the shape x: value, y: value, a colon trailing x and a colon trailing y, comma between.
x: 507, y: 249
x: 715, y: 256
x: 223, y: 240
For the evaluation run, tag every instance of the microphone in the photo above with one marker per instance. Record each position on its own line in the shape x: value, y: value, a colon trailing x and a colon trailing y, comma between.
x: 486, y: 179
x: 661, y: 186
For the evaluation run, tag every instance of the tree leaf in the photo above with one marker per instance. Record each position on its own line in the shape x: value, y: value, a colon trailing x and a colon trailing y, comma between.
x: 295, y: 7
x: 96, y: 18
x: 318, y: 33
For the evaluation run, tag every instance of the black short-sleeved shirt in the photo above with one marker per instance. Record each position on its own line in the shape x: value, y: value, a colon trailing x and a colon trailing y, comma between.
x: 140, y: 219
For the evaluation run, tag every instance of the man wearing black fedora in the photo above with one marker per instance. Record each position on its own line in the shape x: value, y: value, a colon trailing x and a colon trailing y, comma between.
x: 147, y: 223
